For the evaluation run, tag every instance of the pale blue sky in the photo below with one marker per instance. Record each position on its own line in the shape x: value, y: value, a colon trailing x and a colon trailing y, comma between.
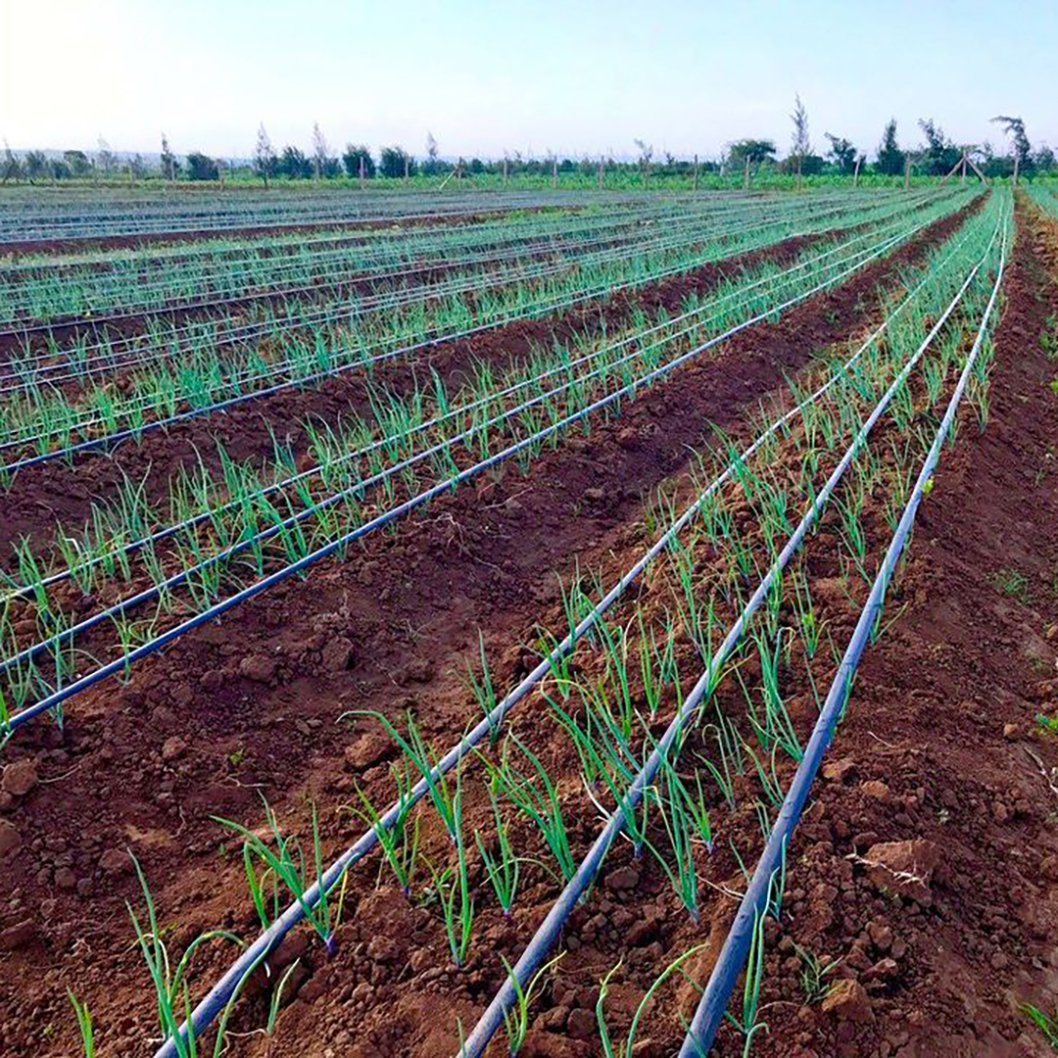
x: 571, y: 77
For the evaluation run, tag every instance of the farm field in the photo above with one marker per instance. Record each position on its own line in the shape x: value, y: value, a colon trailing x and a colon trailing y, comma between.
x: 555, y: 623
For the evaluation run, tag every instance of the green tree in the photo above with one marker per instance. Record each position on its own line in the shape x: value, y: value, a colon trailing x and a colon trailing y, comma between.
x: 890, y: 158
x: 750, y: 155
x: 354, y: 155
x: 392, y: 162
x: 106, y: 161
x: 755, y: 151
x: 842, y: 153
x: 201, y: 167
x: 36, y: 165
x: 294, y: 165
x: 940, y: 155
x: 322, y: 162
x: 1015, y: 129
x: 11, y: 167
x: 78, y: 163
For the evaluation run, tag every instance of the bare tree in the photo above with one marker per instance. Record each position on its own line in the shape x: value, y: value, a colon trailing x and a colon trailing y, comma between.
x: 168, y: 160
x: 646, y: 154
x: 431, y: 154
x: 801, y: 145
x: 319, y: 150
x: 264, y: 157
x: 105, y: 158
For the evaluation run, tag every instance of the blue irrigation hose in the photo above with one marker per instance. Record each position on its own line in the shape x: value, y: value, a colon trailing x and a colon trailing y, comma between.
x: 132, y: 546
x: 722, y: 980
x: 239, y: 223
x: 340, y: 273
x: 116, y: 438
x: 113, y: 439
x: 61, y: 695
x: 255, y: 330
x: 169, y: 346
x: 514, y: 245
x: 227, y: 987
x: 546, y: 936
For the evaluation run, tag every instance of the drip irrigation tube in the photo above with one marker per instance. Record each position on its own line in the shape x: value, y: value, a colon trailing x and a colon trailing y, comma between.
x: 28, y: 372
x: 257, y: 275
x: 713, y: 1004
x: 23, y: 716
x: 129, y: 352
x: 462, y: 282
x: 131, y: 547
x: 113, y: 439
x: 340, y: 272
x: 255, y: 330
x: 546, y: 936
x: 228, y: 986
x: 472, y: 207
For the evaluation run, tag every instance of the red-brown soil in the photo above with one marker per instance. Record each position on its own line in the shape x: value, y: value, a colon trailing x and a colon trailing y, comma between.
x: 940, y: 745
x: 15, y: 250
x: 197, y: 730
x: 57, y: 492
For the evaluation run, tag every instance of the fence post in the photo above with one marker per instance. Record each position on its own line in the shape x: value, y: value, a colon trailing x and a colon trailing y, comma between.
x: 745, y: 175
x: 600, y: 175
x: 554, y: 173
x: 907, y: 173
x: 505, y: 170
x: 1017, y: 160
x: 361, y: 172
x: 856, y: 172
x: 696, y: 171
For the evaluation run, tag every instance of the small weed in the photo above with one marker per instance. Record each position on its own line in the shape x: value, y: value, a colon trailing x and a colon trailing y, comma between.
x: 814, y: 974
x: 1046, y: 1023
x: 1047, y: 723
x: 1011, y: 583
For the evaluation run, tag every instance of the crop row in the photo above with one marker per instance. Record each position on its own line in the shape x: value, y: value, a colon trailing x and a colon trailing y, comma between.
x: 202, y: 379
x: 55, y: 289
x: 411, y: 448
x: 396, y: 260
x: 729, y: 617
x: 66, y: 215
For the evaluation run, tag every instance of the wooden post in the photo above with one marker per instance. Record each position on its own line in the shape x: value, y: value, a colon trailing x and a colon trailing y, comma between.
x: 1017, y: 162
x: 963, y: 180
x: 907, y: 173
x: 407, y: 167
x: 361, y: 171
x: 646, y: 175
x: 856, y: 171
x: 554, y: 173
x: 745, y: 175
x: 600, y: 175
x: 505, y: 170
x: 696, y: 172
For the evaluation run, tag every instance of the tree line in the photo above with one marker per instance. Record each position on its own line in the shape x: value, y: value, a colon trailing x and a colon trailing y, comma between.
x: 937, y: 155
